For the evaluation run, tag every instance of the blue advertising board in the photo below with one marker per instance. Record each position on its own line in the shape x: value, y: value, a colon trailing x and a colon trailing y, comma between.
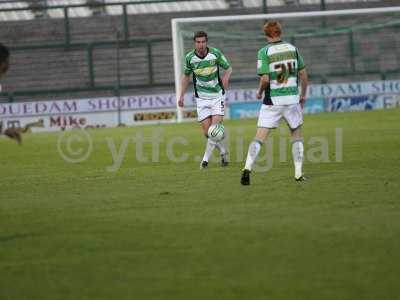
x: 244, y: 110
x: 354, y: 103
x: 314, y: 106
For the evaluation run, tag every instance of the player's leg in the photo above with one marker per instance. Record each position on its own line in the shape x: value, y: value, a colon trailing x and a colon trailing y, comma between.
x: 298, y: 153
x: 255, y: 146
x: 204, y: 114
x: 210, y: 144
x: 218, y: 112
x: 294, y: 117
x: 205, y: 125
x: 216, y: 119
x: 268, y: 119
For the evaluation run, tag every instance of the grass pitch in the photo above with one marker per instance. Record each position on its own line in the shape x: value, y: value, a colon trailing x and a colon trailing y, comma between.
x: 166, y: 230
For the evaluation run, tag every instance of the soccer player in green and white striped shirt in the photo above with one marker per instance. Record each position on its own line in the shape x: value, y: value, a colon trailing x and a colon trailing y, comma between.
x: 204, y: 64
x: 280, y: 67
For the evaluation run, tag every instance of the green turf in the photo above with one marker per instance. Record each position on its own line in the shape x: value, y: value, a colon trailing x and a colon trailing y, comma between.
x: 170, y: 231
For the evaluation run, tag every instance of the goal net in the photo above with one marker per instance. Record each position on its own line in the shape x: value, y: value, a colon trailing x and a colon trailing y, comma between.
x: 337, y: 46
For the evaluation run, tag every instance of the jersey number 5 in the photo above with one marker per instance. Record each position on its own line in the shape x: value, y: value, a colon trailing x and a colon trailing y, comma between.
x: 284, y: 70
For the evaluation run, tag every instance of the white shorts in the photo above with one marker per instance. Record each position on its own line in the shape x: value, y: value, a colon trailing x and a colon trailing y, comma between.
x: 270, y: 115
x: 208, y: 108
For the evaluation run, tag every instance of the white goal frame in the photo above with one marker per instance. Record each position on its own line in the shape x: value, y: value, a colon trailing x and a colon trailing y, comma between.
x: 177, y: 41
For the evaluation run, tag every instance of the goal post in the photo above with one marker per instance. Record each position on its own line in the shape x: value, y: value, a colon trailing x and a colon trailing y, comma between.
x: 332, y: 35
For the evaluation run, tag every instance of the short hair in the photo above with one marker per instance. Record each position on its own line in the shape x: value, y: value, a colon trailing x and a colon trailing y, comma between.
x: 4, y: 53
x: 272, y: 29
x: 200, y: 34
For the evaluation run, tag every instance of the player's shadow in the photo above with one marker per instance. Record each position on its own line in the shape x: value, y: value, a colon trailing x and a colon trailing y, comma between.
x: 8, y: 238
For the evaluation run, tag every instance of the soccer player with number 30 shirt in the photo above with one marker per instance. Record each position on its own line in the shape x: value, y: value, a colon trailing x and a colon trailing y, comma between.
x: 280, y: 67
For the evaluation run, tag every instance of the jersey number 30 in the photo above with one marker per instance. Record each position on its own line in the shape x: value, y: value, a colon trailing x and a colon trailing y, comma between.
x: 284, y: 70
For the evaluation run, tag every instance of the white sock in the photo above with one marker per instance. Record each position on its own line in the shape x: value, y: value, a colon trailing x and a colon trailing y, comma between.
x: 221, y: 147
x: 298, y: 154
x: 209, y: 149
x: 254, y: 149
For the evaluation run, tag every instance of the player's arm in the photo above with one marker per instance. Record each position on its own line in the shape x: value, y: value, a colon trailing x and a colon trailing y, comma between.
x: 185, y: 80
x: 226, y: 77
x: 223, y: 62
x: 263, y: 72
x: 303, y: 78
x: 304, y: 83
x: 264, y: 81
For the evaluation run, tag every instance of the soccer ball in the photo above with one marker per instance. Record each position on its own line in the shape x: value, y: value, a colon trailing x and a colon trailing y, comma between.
x: 216, y: 132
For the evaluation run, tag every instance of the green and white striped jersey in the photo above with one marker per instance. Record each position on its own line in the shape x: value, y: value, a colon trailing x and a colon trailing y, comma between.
x: 282, y: 62
x: 205, y: 70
